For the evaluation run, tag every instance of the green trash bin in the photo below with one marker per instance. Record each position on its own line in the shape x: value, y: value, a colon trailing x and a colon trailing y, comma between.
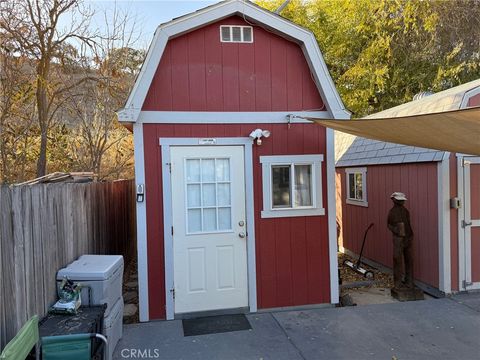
x: 69, y: 347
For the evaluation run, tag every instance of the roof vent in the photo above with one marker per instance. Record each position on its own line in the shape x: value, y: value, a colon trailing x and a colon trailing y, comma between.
x: 236, y: 34
x: 422, y: 94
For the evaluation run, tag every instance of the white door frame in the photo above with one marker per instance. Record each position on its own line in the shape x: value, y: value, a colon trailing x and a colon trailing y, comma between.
x: 165, y: 144
x: 464, y: 237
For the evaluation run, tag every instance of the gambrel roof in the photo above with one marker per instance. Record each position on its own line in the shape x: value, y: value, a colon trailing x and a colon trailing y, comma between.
x: 253, y: 13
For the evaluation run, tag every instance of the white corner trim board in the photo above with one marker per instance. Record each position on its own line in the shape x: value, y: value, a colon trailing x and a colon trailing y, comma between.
x: 142, y: 253
x: 247, y: 143
x: 460, y: 218
x: 444, y: 263
x: 332, y: 218
x: 254, y: 13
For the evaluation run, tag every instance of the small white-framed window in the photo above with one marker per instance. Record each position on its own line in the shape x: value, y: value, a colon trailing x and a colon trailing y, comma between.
x: 236, y: 34
x: 356, y: 186
x: 292, y: 185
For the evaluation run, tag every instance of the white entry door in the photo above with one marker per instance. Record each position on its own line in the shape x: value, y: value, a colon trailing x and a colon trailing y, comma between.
x: 471, y: 224
x: 209, y: 228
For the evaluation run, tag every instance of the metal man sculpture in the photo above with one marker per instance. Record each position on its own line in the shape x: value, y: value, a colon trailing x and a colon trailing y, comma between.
x: 399, y: 225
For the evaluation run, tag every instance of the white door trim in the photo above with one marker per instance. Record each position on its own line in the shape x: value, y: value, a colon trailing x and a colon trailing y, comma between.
x: 165, y: 144
x: 465, y: 250
x: 464, y: 237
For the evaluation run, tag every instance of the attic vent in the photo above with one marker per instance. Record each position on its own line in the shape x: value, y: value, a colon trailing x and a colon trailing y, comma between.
x: 236, y: 34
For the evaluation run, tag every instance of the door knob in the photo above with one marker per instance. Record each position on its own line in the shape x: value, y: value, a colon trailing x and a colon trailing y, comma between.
x: 241, y: 234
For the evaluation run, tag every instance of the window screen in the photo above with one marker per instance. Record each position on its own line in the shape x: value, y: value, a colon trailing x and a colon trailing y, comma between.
x: 236, y: 33
x: 247, y: 34
x: 225, y: 31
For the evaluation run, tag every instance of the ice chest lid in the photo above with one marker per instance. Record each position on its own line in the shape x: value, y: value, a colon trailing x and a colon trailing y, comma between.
x: 92, y: 267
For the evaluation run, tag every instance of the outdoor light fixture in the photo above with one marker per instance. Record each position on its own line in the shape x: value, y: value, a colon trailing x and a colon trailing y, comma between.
x: 258, y: 134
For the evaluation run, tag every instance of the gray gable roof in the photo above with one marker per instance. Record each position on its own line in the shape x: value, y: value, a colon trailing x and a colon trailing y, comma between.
x: 373, y: 152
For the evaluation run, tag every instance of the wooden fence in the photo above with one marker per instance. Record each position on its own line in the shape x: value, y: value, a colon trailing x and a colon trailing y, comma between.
x: 45, y: 227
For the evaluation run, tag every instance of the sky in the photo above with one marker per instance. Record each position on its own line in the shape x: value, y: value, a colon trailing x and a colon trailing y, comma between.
x: 149, y: 14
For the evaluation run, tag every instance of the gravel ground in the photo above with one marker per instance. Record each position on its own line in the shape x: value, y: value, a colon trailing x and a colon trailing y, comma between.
x: 130, y: 290
x: 380, y: 280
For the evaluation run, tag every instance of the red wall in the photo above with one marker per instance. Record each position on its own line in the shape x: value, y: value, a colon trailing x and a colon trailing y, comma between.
x: 475, y: 215
x: 419, y: 183
x: 291, y: 253
x: 453, y: 223
x: 474, y: 101
x: 197, y: 72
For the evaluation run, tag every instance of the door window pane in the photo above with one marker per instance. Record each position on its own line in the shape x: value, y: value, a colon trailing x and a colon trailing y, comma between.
x: 209, y: 197
x: 281, y: 186
x: 224, y: 219
x: 208, y: 170
x: 209, y: 219
x: 303, y: 185
x: 223, y: 194
x: 222, y: 169
x: 193, y: 170
x: 194, y: 220
x: 193, y: 195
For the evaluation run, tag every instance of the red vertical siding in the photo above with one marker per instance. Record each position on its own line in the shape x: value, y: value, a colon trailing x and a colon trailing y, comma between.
x: 474, y: 101
x: 197, y: 72
x: 454, y: 223
x: 291, y: 253
x: 475, y: 215
x: 419, y: 182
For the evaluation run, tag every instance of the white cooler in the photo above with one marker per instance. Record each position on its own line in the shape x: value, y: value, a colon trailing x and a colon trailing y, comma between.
x: 113, y: 326
x: 102, y: 273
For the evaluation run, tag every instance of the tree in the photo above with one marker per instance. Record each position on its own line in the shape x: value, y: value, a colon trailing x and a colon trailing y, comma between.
x: 101, y: 144
x: 33, y: 30
x: 381, y: 53
x: 16, y: 109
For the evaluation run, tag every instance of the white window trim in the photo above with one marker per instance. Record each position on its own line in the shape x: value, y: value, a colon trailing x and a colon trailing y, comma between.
x: 349, y: 200
x: 241, y: 34
x: 316, y: 162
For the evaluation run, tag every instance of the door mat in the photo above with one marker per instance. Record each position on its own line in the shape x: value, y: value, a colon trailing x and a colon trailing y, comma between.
x: 215, y: 324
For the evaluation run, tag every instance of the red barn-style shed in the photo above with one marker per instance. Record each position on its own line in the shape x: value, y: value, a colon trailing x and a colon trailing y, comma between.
x: 443, y: 191
x: 236, y: 201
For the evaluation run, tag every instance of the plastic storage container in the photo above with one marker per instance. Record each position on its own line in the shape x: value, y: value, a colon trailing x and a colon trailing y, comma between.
x: 113, y: 326
x: 102, y: 273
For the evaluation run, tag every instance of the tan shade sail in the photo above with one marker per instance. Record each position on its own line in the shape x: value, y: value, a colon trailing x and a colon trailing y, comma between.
x: 455, y: 131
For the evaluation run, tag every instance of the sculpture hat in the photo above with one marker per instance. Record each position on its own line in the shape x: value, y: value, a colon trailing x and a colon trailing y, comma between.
x: 398, y: 196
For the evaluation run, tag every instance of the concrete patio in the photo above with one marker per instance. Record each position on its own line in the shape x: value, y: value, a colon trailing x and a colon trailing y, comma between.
x: 446, y: 328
